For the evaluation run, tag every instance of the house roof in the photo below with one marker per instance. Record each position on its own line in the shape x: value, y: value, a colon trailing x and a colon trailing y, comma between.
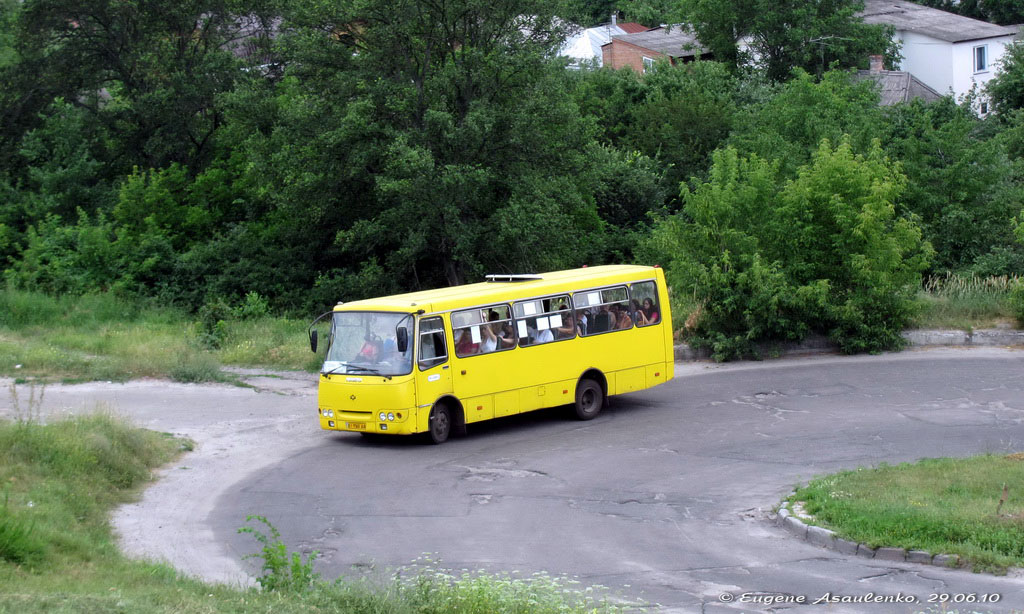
x: 586, y: 44
x: 897, y: 86
x: 632, y: 27
x: 675, y: 42
x: 945, y: 26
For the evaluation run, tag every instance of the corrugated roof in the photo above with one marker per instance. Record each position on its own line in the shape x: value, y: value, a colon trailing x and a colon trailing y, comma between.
x: 631, y: 27
x: 674, y: 42
x: 586, y: 44
x: 935, y: 23
x: 897, y: 86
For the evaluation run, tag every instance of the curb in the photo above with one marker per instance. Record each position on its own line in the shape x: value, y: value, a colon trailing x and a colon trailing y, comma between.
x: 793, y: 523
x: 817, y: 344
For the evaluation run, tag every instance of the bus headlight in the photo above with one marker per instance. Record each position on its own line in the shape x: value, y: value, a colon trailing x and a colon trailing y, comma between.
x: 382, y: 416
x: 391, y: 417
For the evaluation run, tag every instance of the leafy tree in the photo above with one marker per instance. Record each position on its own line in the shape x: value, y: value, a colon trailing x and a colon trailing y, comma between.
x: 1006, y: 89
x: 149, y: 71
x: 961, y: 184
x: 8, y: 18
x: 593, y: 12
x: 677, y: 115
x: 791, y: 122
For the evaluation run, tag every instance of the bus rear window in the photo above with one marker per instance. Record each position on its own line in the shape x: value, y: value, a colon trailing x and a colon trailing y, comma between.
x: 643, y: 302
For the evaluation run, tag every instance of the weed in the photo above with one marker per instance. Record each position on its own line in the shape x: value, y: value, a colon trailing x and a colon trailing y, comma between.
x: 196, y: 367
x: 18, y: 544
x: 32, y: 413
x: 282, y: 571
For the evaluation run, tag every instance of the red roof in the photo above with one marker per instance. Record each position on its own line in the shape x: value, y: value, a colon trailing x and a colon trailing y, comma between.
x: 632, y: 27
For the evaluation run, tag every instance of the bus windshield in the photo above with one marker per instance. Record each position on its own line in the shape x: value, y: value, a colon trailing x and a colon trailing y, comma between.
x: 367, y: 343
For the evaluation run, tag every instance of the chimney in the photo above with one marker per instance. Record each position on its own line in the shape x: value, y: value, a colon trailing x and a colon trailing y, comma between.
x: 876, y: 63
x: 615, y: 19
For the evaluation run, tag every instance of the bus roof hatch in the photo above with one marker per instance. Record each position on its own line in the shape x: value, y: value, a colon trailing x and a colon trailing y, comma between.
x: 503, y: 278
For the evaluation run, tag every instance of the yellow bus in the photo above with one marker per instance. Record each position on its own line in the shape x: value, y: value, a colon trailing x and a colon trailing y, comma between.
x: 436, y: 361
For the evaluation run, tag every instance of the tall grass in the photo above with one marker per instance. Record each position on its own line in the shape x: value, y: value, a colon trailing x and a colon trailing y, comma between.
x: 105, y: 337
x: 966, y: 302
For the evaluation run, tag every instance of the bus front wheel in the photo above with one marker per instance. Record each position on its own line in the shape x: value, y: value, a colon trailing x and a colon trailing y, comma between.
x: 440, y: 424
x: 589, y: 399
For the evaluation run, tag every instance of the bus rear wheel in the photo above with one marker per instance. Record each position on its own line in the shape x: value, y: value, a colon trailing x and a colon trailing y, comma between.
x: 589, y: 399
x: 440, y: 424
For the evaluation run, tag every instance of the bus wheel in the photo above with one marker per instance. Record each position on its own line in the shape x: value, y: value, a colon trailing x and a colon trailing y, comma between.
x: 589, y: 399
x: 440, y: 424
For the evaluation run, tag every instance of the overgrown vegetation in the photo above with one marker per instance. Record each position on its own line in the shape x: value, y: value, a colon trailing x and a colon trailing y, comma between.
x: 234, y: 159
x: 968, y: 302
x: 57, y: 553
x: 971, y: 507
x: 103, y: 337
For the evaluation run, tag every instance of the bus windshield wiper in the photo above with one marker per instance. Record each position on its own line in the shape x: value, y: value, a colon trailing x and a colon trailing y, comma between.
x: 328, y: 374
x: 369, y: 369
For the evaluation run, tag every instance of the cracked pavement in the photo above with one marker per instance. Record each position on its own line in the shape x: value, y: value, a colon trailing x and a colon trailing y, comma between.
x: 665, y: 498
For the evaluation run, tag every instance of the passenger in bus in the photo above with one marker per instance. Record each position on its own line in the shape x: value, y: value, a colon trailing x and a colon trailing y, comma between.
x: 507, y: 335
x: 544, y: 336
x: 622, y: 319
x: 568, y: 328
x: 584, y: 322
x: 464, y: 346
x: 650, y: 314
x: 489, y: 338
x: 370, y: 350
x: 604, y: 320
x: 636, y: 312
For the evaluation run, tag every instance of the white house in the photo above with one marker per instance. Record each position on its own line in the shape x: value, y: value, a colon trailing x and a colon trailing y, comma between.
x: 950, y: 53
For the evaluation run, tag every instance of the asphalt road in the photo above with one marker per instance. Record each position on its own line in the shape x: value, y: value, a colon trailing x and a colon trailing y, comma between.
x: 667, y: 496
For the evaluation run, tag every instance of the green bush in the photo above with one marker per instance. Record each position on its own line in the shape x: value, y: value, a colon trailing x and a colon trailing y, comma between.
x: 772, y: 260
x: 1017, y: 301
x: 213, y: 318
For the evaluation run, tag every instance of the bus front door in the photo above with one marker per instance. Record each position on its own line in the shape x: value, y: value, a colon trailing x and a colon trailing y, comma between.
x: 433, y: 369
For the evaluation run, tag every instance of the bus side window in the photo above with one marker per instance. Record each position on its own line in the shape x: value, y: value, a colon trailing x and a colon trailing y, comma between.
x: 544, y: 320
x: 600, y: 311
x: 433, y: 350
x: 644, y: 303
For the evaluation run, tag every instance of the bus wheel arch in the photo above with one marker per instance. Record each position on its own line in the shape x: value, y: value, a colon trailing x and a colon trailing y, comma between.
x: 591, y: 394
x: 446, y: 418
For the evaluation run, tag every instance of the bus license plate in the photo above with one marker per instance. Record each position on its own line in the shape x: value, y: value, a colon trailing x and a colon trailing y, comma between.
x: 359, y: 426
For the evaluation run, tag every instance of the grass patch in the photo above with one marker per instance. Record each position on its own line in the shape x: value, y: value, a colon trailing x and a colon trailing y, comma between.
x: 943, y: 506
x: 965, y: 303
x: 104, y: 337
x: 57, y: 553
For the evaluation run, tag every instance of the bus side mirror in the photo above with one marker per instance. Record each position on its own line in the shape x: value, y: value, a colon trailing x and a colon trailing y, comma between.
x: 402, y: 340
x: 312, y: 340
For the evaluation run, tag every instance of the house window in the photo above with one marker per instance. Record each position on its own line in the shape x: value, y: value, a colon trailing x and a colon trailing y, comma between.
x: 648, y: 63
x: 984, y: 107
x: 981, y: 58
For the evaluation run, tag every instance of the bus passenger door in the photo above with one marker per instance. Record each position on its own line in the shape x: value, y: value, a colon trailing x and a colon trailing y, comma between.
x: 433, y: 369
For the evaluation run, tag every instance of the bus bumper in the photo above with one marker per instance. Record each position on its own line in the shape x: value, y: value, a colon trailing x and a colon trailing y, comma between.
x: 402, y: 424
